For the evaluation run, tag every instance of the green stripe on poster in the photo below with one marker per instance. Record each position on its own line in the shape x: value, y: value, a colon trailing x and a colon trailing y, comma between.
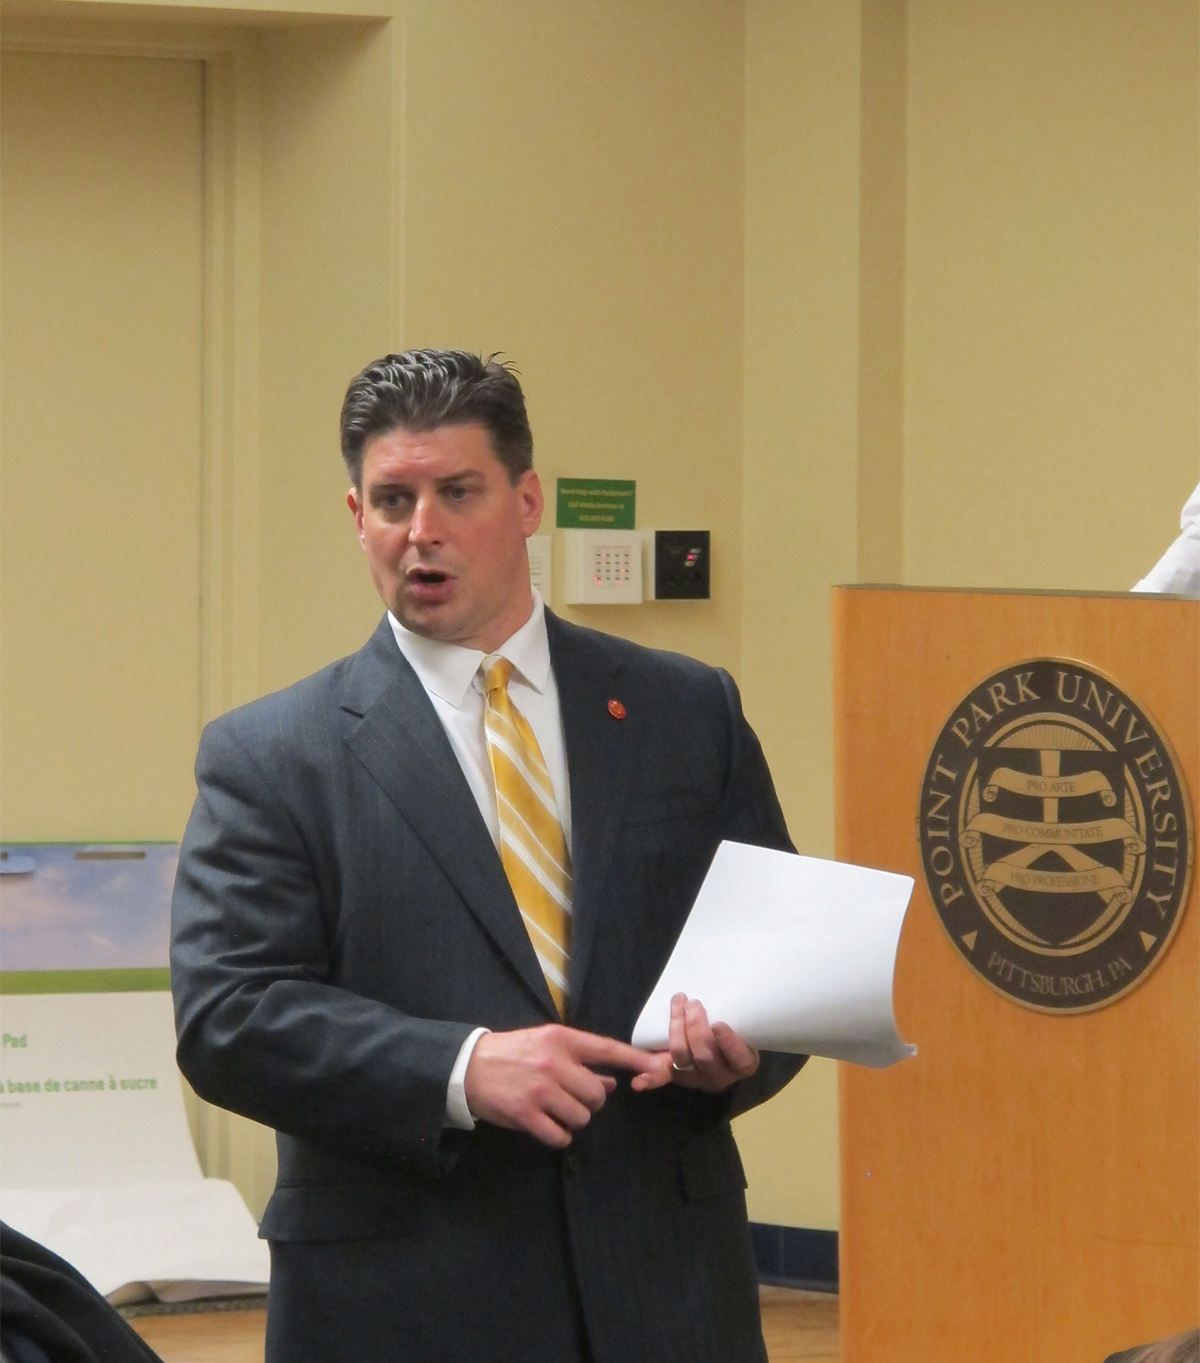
x: 134, y: 980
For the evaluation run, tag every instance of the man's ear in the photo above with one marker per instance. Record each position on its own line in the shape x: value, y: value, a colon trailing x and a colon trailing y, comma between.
x: 355, y: 503
x: 529, y: 489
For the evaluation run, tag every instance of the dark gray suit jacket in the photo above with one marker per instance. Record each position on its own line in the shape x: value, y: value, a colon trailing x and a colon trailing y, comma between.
x: 342, y: 921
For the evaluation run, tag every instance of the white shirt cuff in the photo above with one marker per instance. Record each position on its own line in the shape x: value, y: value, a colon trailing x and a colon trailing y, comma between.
x: 458, y: 1114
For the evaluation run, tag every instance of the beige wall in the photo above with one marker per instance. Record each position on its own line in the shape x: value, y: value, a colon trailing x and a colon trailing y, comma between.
x: 330, y: 299
x: 1052, y: 282
x: 801, y: 363
x: 870, y: 290
x: 99, y: 686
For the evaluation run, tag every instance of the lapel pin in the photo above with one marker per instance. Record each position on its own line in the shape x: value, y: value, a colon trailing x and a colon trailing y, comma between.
x: 616, y: 709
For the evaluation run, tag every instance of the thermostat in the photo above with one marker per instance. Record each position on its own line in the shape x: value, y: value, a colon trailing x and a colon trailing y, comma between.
x: 603, y: 567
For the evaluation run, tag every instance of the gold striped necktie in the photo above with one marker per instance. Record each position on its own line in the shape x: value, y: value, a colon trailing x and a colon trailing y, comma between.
x: 532, y: 847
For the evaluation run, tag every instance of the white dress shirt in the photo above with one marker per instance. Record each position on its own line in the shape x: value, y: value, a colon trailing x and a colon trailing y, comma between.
x: 453, y: 680
x: 1178, y: 570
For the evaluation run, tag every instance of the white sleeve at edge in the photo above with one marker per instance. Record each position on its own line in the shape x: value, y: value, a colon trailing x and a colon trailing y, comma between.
x: 1178, y: 571
x: 458, y: 1114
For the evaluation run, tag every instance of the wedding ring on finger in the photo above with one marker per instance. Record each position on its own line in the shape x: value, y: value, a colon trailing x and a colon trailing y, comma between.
x: 683, y: 1069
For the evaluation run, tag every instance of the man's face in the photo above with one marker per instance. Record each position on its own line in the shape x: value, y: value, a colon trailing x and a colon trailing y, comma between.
x: 444, y: 532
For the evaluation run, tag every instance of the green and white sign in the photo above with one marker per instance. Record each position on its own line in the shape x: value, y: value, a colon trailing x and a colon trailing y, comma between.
x: 596, y: 504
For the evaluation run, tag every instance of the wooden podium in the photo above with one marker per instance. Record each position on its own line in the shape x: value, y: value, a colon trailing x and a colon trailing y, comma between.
x: 1028, y: 1187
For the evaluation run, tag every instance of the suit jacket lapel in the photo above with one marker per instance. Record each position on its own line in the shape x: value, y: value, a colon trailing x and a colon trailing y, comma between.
x: 600, y: 756
x: 401, y: 743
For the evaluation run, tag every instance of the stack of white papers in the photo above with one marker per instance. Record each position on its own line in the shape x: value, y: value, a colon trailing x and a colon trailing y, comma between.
x: 796, y: 954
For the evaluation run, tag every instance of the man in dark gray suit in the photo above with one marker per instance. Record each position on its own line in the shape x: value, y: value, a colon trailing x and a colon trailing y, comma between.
x: 473, y: 1161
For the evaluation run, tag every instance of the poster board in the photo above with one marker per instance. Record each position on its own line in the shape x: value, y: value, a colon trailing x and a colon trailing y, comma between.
x: 98, y: 1163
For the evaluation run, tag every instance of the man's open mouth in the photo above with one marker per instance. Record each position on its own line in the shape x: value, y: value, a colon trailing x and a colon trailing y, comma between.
x: 429, y: 586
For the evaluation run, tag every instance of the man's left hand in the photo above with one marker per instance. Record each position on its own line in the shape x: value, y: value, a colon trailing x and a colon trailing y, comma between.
x: 701, y: 1055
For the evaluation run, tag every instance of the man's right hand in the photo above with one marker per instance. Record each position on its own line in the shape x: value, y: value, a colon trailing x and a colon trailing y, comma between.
x: 539, y: 1079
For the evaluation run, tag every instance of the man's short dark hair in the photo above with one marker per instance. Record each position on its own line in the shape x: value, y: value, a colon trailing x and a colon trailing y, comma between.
x: 420, y: 390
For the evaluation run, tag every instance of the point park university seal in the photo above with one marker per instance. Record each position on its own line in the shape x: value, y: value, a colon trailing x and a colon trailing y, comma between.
x: 1056, y: 836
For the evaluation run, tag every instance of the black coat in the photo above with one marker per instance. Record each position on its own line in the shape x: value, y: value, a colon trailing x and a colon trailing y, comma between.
x: 342, y: 921
x: 50, y: 1313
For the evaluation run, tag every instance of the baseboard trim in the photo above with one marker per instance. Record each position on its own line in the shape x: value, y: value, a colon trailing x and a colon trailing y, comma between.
x: 791, y: 1256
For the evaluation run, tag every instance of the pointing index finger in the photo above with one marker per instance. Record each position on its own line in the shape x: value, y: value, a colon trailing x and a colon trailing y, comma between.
x: 606, y: 1050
